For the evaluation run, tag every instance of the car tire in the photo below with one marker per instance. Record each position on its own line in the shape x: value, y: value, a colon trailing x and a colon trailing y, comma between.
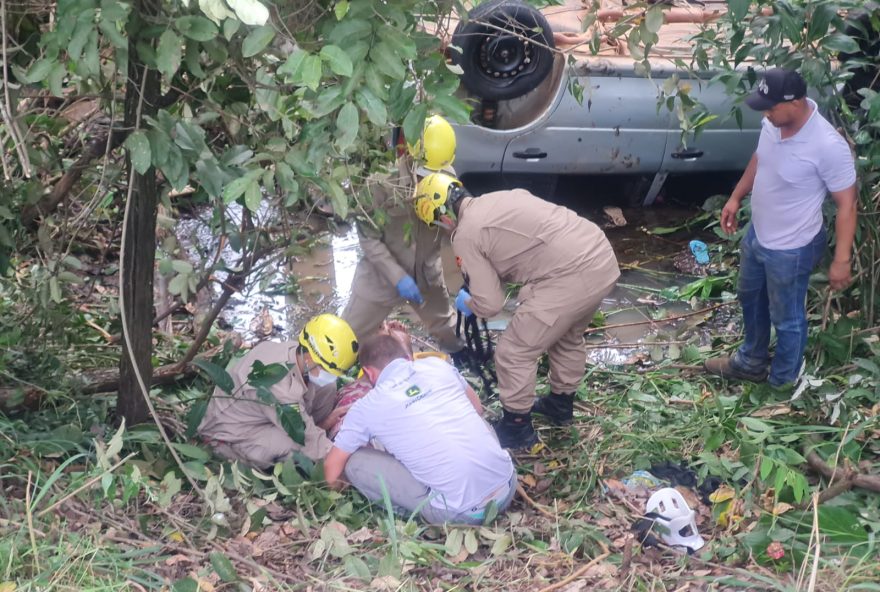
x: 501, y: 65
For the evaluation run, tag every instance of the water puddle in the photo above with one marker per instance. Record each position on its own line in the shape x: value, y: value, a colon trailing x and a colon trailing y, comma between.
x: 319, y: 279
x: 308, y: 284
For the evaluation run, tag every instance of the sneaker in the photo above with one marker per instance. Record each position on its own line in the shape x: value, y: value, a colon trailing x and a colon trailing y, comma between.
x: 559, y: 409
x: 723, y: 367
x: 515, y: 430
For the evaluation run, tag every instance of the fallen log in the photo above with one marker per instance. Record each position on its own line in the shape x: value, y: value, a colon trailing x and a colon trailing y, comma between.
x: 105, y: 381
x: 842, y: 479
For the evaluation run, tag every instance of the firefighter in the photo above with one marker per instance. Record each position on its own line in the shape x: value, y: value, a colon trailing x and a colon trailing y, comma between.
x: 244, y: 424
x: 401, y: 258
x: 565, y: 266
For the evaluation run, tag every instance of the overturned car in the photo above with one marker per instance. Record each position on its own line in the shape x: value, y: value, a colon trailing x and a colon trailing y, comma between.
x: 547, y: 106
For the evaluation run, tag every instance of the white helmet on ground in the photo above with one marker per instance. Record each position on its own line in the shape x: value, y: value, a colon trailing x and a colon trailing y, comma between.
x: 674, y: 520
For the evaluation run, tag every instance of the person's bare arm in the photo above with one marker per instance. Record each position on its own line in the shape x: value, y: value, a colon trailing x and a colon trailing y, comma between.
x: 333, y: 417
x: 840, y: 270
x: 474, y: 399
x: 743, y: 188
x: 334, y: 465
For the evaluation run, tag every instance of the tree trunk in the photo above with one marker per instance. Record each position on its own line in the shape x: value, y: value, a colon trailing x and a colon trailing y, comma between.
x: 136, y: 282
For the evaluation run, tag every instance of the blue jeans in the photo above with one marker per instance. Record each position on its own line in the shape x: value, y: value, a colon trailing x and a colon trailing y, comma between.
x: 773, y: 289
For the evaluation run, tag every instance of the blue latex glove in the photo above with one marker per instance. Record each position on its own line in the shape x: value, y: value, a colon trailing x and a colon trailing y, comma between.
x: 408, y: 290
x: 461, y: 302
x: 700, y: 251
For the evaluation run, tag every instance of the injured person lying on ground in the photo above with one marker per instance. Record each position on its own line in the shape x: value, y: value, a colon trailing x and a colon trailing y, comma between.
x: 440, y: 459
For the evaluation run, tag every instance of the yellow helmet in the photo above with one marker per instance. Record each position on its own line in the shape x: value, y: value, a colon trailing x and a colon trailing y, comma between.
x: 432, y: 193
x: 436, y: 148
x: 331, y: 343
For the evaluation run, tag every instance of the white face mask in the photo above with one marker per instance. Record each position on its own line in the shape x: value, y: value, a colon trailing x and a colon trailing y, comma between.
x: 323, y: 378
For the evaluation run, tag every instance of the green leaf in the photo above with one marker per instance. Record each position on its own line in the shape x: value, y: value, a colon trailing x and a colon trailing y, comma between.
x: 766, y: 468
x: 738, y: 9
x: 56, y: 80
x: 354, y: 565
x: 179, y: 286
x: 340, y: 10
x: 181, y: 266
x: 192, y: 58
x: 414, y: 122
x: 111, y: 32
x: 267, y: 375
x: 84, y: 26
x: 840, y: 43
x: 250, y: 12
x: 185, y: 585
x: 338, y: 199
x: 209, y: 176
x: 114, y: 446
x: 39, y: 71
x: 292, y: 422
x: 453, y: 107
x: 286, y: 178
x: 841, y: 526
x: 237, y: 155
x: 310, y: 72
x: 453, y: 542
x: 337, y: 59
x: 821, y: 18
x: 217, y: 11
x: 191, y: 451
x: 372, y: 106
x: 756, y: 425
x: 347, y: 125
x: 236, y: 188
x: 138, y: 146
x: 349, y: 30
x: 402, y: 46
x: 501, y: 544
x: 654, y: 18
x: 230, y: 27
x: 470, y: 542
x: 196, y: 27
x: 168, y: 54
x: 217, y: 374
x: 195, y: 416
x: 293, y: 63
x: 169, y: 487
x: 223, y: 567
x: 384, y: 58
x: 375, y: 82
x: 253, y: 196
x: 160, y: 146
x: 257, y: 40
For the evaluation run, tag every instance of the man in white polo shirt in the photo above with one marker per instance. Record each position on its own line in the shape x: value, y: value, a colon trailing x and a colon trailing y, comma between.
x: 442, y: 460
x: 800, y: 159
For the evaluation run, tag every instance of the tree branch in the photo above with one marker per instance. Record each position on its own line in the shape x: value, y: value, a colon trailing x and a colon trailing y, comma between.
x: 49, y: 203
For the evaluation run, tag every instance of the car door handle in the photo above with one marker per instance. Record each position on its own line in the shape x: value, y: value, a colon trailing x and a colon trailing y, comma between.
x: 530, y: 153
x: 688, y: 154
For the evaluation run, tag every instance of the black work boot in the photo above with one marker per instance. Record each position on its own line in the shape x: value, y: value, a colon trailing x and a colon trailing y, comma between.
x: 559, y: 409
x: 515, y: 430
x: 461, y: 359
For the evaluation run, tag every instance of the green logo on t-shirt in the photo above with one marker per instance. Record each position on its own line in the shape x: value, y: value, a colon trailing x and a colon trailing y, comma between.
x: 413, y: 391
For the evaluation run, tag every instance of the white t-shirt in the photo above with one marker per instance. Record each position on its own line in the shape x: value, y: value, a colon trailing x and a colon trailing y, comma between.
x: 421, y: 415
x: 793, y: 178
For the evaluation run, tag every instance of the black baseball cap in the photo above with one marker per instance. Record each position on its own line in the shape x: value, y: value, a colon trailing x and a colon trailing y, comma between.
x: 777, y: 86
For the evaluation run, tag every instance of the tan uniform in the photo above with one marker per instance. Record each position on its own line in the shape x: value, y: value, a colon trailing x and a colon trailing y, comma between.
x: 244, y: 428
x: 404, y: 246
x: 566, y: 267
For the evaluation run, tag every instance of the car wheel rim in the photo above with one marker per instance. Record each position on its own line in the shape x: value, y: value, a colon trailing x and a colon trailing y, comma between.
x: 504, y: 56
